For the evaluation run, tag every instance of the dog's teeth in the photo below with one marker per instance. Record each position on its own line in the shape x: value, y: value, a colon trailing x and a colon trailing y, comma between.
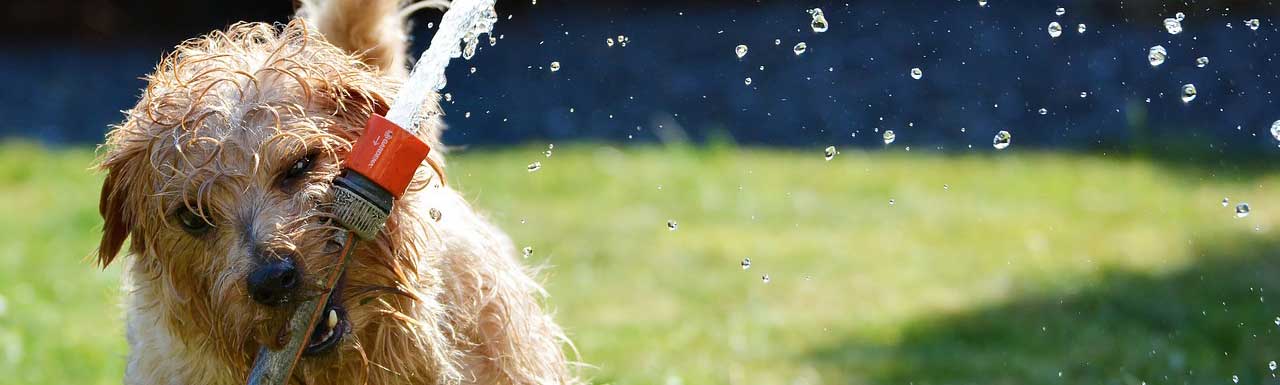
x: 333, y: 318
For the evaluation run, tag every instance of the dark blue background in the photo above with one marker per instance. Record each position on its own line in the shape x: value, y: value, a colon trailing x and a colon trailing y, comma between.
x: 985, y: 69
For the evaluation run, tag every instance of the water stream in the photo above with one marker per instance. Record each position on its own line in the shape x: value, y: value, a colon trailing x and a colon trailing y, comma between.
x: 459, y: 35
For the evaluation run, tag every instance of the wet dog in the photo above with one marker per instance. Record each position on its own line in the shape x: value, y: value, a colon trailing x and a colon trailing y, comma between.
x: 220, y: 177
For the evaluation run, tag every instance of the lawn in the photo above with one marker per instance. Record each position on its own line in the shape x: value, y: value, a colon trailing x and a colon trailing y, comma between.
x: 1009, y: 267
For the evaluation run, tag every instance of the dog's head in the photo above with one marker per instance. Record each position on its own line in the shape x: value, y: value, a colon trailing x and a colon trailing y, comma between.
x: 220, y: 177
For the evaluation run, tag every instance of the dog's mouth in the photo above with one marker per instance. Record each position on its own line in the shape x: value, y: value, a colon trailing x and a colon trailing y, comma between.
x: 331, y: 328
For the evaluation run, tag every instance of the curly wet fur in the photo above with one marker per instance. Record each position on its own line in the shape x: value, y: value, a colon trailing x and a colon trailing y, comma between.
x: 430, y: 302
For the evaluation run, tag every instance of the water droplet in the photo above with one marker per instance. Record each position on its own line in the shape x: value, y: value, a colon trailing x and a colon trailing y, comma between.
x: 830, y: 152
x: 746, y: 263
x: 799, y: 48
x: 746, y: 81
x: 741, y: 50
x: 1084, y: 95
x: 1060, y: 11
x: 764, y: 278
x: 1275, y: 129
x: 555, y: 66
x: 1242, y: 210
x: 1080, y: 28
x: 435, y: 214
x: 1227, y: 202
x: 982, y: 3
x: 535, y: 166
x: 448, y: 97
x: 1001, y: 140
x: 1043, y: 111
x: 1277, y: 321
x: 1173, y: 26
x: 1055, y: 29
x: 473, y: 69
x: 672, y: 225
x: 1272, y: 365
x: 1235, y: 379
x: 889, y: 136
x: 608, y: 41
x: 1156, y: 55
x: 528, y: 251
x: 892, y: 202
x: 1188, y: 93
x: 777, y: 41
x: 819, y: 23
x: 946, y: 187
x: 916, y: 73
x: 1253, y: 24
x: 1202, y: 61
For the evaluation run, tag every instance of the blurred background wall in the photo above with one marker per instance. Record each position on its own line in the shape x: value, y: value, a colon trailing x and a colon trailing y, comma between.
x: 69, y: 67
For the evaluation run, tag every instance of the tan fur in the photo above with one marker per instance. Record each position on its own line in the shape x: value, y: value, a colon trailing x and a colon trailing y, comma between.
x: 430, y: 302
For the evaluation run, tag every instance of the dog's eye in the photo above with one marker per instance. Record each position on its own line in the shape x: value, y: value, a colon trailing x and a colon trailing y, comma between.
x: 300, y: 167
x: 191, y: 222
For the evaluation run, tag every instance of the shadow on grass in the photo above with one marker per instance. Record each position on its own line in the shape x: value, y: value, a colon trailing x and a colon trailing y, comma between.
x: 1199, y: 325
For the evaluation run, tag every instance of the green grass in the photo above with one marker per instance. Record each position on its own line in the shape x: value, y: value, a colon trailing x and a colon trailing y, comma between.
x: 1029, y: 268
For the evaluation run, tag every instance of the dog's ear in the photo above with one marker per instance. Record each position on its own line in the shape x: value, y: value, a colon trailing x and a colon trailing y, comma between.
x: 117, y: 222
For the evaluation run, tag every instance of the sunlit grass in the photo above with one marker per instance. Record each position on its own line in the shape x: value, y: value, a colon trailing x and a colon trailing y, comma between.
x: 861, y: 291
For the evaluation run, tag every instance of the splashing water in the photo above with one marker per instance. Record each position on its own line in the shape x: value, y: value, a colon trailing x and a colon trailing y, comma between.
x: 889, y: 136
x: 740, y: 50
x: 672, y: 225
x: 1001, y: 140
x: 746, y: 263
x: 819, y: 23
x: 1202, y: 61
x: 916, y: 73
x: 1242, y: 210
x: 829, y: 153
x: 1188, y: 93
x: 1156, y: 55
x: 1060, y: 11
x: 459, y: 34
x: 1173, y: 26
x: 1055, y: 29
x: 1275, y: 129
x: 799, y: 48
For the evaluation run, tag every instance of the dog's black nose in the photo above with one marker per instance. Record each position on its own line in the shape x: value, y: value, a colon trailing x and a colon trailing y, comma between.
x: 274, y: 281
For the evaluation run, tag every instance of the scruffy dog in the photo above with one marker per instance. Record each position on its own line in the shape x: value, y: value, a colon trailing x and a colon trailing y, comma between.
x: 220, y: 177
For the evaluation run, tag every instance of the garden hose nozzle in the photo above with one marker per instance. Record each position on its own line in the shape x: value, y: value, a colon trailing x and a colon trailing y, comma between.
x: 377, y: 171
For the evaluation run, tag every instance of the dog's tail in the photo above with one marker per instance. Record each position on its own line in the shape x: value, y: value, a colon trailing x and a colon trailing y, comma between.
x: 374, y: 30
